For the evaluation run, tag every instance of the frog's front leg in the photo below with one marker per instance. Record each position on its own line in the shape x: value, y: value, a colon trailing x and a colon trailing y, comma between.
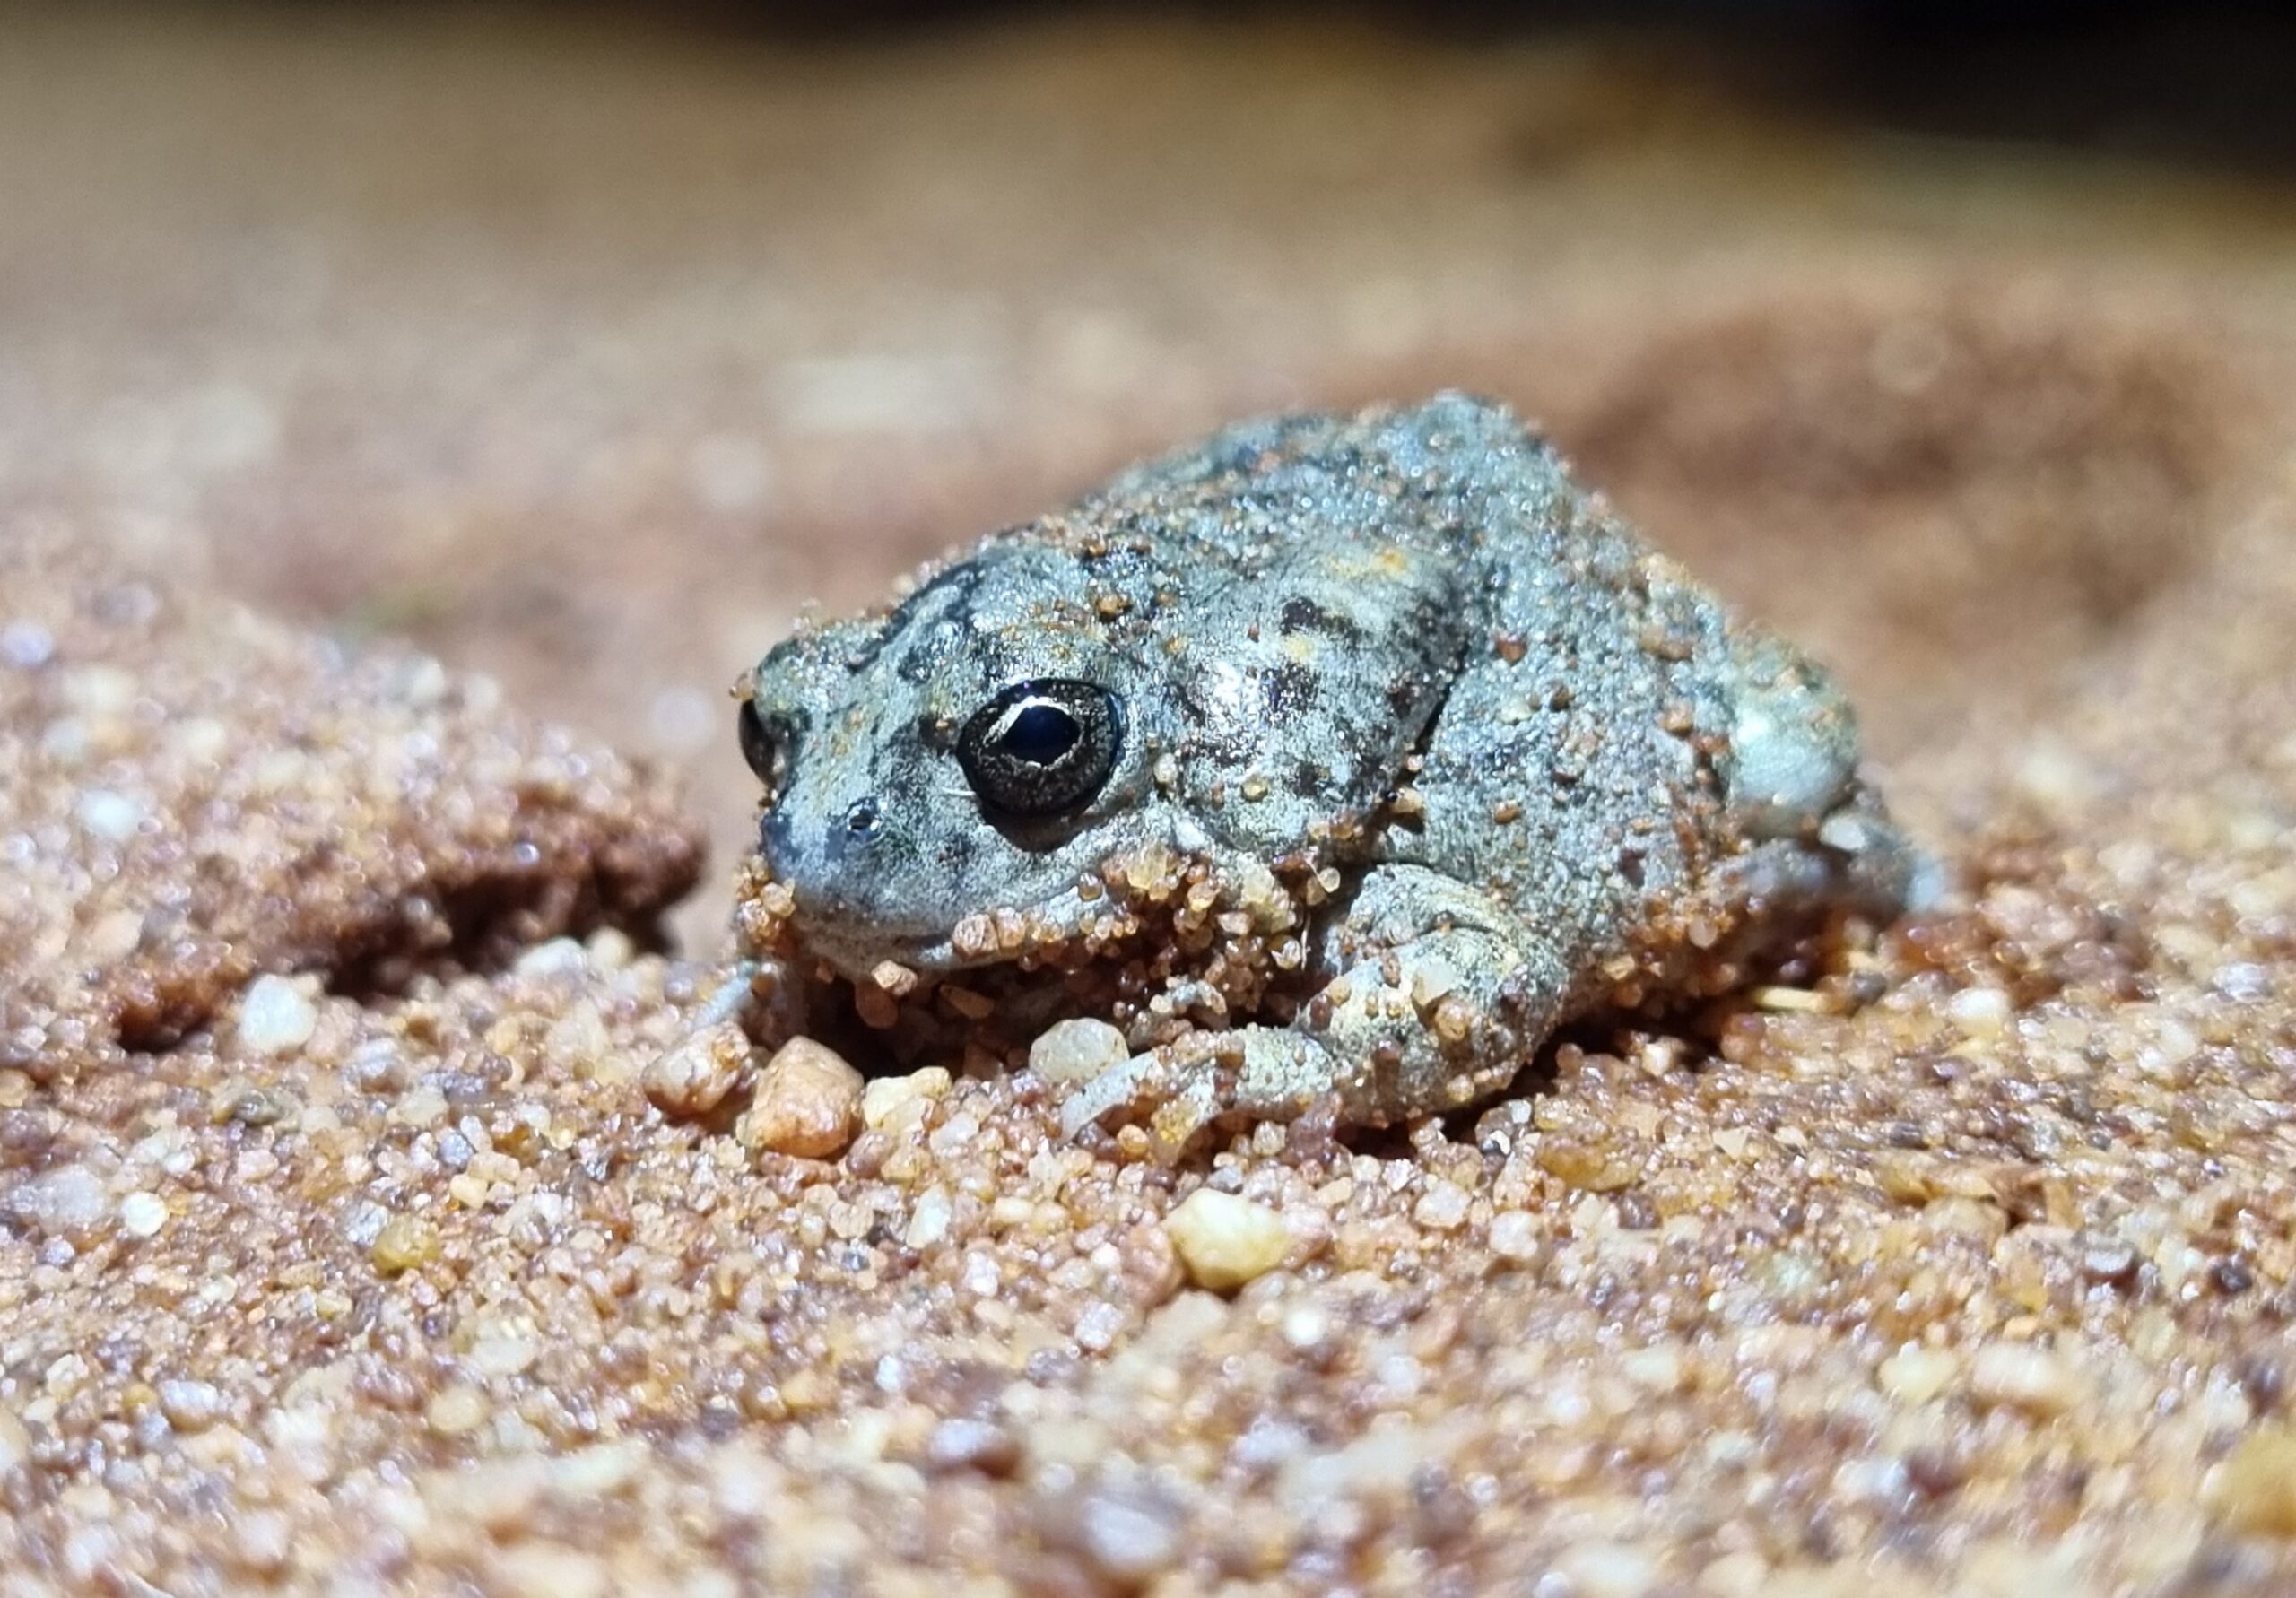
x: 1439, y: 996
x: 758, y: 995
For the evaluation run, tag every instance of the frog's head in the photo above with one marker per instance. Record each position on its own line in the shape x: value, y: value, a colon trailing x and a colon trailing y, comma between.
x: 982, y: 748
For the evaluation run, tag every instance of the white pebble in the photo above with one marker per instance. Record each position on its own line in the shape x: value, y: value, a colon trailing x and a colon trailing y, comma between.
x: 1100, y: 1326
x: 109, y: 814
x: 142, y: 1214
x: 421, y: 681
x: 1224, y: 1241
x: 115, y: 936
x: 26, y: 645
x: 100, y: 690
x: 928, y: 1222
x: 1306, y: 1327
x: 694, y: 1075
x: 2016, y: 1376
x: 190, y: 1406
x: 558, y: 956
x: 1077, y: 1050
x: 1914, y: 1374
x: 1847, y: 831
x: 203, y: 739
x: 64, y: 741
x: 1515, y: 1235
x: 1980, y: 1012
x: 1607, y: 1570
x: 888, y: 1099
x: 610, y: 948
x: 501, y: 1354
x: 1129, y: 1536
x: 67, y: 1201
x: 1442, y: 1206
x: 276, y: 1017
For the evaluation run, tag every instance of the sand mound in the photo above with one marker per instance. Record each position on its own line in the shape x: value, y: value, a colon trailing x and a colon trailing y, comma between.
x: 192, y: 795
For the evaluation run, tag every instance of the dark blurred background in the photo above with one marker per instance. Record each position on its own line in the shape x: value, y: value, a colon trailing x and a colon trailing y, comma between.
x: 584, y: 344
x: 2206, y: 83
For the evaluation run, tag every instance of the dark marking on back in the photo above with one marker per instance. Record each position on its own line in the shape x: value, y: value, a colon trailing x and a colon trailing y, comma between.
x: 1289, y: 690
x: 1302, y: 614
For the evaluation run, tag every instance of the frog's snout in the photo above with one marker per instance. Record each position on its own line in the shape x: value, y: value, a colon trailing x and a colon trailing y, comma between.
x: 836, y: 845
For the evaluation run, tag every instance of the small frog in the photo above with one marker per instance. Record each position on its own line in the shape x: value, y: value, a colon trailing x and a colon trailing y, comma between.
x: 1336, y: 761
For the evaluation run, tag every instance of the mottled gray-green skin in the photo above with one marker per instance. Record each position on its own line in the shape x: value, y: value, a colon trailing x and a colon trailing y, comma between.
x: 1303, y: 617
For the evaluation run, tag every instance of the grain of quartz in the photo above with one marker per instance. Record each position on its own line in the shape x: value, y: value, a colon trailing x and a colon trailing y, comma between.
x: 693, y: 1078
x: 1225, y: 1241
x: 893, y: 1101
x: 1077, y: 1050
x: 808, y: 1102
x: 403, y: 1242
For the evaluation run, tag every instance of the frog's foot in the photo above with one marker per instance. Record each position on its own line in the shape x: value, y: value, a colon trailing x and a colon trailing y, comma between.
x: 758, y: 993
x: 1269, y: 1073
x: 1851, y: 858
x: 1819, y: 837
x: 1416, y: 1025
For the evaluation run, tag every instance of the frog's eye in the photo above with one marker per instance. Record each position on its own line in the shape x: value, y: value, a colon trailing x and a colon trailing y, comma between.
x: 1042, y: 748
x: 768, y: 755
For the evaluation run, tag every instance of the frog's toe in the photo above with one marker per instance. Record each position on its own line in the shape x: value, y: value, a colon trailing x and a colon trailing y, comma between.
x: 1122, y: 1090
x: 1787, y: 771
x: 762, y: 994
x: 1877, y: 867
x: 1854, y: 859
x: 1793, y: 740
x: 1178, y: 1091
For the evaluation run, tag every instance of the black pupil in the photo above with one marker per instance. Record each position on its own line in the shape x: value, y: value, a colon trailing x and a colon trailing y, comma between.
x: 1040, y: 733
x: 1041, y: 748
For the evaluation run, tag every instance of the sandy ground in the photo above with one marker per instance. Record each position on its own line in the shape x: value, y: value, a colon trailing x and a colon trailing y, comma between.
x: 340, y: 1245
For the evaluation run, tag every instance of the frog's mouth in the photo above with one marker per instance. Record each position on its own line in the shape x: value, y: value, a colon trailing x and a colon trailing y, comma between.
x: 990, y: 982
x: 1159, y: 936
x: 1051, y: 931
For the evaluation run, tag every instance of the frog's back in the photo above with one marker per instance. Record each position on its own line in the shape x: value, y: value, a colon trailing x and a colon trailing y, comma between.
x: 1444, y: 478
x: 1417, y: 603
x: 1516, y: 693
x: 1314, y: 584
x: 1571, y: 770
